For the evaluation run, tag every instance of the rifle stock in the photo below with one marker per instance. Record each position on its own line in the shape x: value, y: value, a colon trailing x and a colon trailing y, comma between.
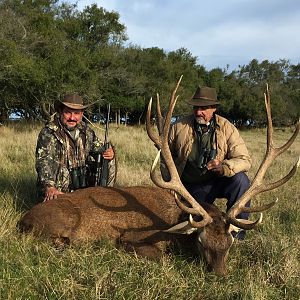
x: 98, y: 169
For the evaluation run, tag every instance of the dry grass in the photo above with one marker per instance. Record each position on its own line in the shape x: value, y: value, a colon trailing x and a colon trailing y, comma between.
x: 264, y: 266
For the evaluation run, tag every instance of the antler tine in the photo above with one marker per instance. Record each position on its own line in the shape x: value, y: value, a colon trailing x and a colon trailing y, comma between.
x: 166, y: 153
x: 269, y: 119
x: 161, y: 183
x: 272, y: 152
x: 290, y: 141
x: 160, y: 120
x: 172, y: 103
x: 257, y: 185
x: 155, y: 139
x: 246, y: 225
x: 284, y: 147
x: 176, y: 185
x: 175, y: 182
x: 163, y: 129
x: 260, y: 208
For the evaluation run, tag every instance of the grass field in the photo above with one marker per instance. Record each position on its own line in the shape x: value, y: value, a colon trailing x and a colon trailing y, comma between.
x: 264, y: 266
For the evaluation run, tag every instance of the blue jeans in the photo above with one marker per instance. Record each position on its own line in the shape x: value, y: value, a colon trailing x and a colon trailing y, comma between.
x: 231, y: 188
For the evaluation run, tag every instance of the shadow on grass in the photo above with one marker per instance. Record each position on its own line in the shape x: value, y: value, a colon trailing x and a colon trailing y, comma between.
x: 22, y: 189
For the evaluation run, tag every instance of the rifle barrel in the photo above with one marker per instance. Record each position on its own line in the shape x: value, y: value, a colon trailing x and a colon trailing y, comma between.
x: 104, y: 166
x: 107, y: 123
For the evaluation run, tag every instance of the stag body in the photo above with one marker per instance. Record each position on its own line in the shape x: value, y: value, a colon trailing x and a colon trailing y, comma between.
x: 97, y: 212
x: 137, y: 218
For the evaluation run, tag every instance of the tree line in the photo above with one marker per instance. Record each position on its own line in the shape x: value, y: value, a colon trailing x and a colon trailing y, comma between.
x: 49, y: 48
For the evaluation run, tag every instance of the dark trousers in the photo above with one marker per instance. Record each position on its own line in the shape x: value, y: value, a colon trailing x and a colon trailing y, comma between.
x: 231, y: 188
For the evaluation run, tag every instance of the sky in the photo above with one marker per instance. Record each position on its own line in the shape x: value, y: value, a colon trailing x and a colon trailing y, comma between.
x: 220, y: 33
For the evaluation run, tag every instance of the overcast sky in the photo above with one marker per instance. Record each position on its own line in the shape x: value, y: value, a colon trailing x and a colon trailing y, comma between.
x: 218, y: 32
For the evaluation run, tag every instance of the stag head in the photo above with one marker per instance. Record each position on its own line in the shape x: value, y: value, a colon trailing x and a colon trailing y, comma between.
x: 213, y: 227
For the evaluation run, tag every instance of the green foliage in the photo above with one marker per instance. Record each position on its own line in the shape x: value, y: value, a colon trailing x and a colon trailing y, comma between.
x: 49, y: 48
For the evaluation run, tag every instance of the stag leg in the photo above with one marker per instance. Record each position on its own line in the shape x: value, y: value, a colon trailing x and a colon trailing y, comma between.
x: 149, y: 243
x: 147, y: 250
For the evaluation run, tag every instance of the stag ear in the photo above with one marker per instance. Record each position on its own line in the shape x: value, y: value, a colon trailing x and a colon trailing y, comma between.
x: 182, y: 228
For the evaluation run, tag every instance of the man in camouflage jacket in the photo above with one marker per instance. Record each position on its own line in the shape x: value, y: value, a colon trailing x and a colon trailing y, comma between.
x: 209, y: 153
x: 63, y: 145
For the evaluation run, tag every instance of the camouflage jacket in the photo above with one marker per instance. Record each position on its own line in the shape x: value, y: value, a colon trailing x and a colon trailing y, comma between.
x: 58, y: 151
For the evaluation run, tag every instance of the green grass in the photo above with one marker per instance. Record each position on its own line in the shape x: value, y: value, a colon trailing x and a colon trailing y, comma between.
x: 264, y: 266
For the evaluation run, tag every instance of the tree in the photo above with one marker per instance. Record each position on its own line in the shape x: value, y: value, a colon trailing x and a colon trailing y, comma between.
x: 46, y: 58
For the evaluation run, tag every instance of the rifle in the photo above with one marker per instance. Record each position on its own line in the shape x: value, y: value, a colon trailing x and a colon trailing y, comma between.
x: 102, y: 164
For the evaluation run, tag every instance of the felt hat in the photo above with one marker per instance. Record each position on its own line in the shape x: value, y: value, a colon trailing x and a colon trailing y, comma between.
x: 73, y: 101
x: 204, y: 96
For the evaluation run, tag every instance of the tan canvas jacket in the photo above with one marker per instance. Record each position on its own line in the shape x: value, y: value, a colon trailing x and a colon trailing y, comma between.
x: 231, y: 148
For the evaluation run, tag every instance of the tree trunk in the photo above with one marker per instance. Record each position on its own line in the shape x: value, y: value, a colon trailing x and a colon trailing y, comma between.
x: 4, y: 116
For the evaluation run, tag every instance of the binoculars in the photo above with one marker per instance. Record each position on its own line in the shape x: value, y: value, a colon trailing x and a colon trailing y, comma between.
x: 78, y: 177
x: 205, y: 158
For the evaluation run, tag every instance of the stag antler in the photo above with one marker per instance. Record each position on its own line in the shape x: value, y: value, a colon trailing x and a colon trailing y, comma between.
x: 175, y: 184
x: 257, y: 185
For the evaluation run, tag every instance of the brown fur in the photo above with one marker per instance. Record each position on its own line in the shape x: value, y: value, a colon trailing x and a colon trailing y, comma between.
x: 130, y: 215
x: 133, y: 217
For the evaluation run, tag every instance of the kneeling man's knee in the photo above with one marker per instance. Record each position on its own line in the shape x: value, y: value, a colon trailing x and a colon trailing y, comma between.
x: 241, y: 179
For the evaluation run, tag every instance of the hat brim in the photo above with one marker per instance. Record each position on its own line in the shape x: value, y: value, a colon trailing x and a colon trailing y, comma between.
x: 76, y: 106
x: 60, y: 104
x: 203, y: 102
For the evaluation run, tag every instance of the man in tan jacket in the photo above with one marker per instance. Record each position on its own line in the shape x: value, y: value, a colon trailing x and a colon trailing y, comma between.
x: 209, y: 153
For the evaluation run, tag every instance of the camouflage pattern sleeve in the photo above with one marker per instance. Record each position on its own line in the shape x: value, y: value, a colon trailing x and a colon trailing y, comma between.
x: 97, y: 144
x: 92, y: 141
x: 47, y: 159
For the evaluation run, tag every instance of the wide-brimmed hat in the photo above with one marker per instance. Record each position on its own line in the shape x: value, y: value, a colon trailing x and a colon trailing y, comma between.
x: 73, y: 101
x: 204, y: 96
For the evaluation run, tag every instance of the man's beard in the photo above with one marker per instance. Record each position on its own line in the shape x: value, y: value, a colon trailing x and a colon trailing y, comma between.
x: 201, y: 121
x: 70, y: 128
